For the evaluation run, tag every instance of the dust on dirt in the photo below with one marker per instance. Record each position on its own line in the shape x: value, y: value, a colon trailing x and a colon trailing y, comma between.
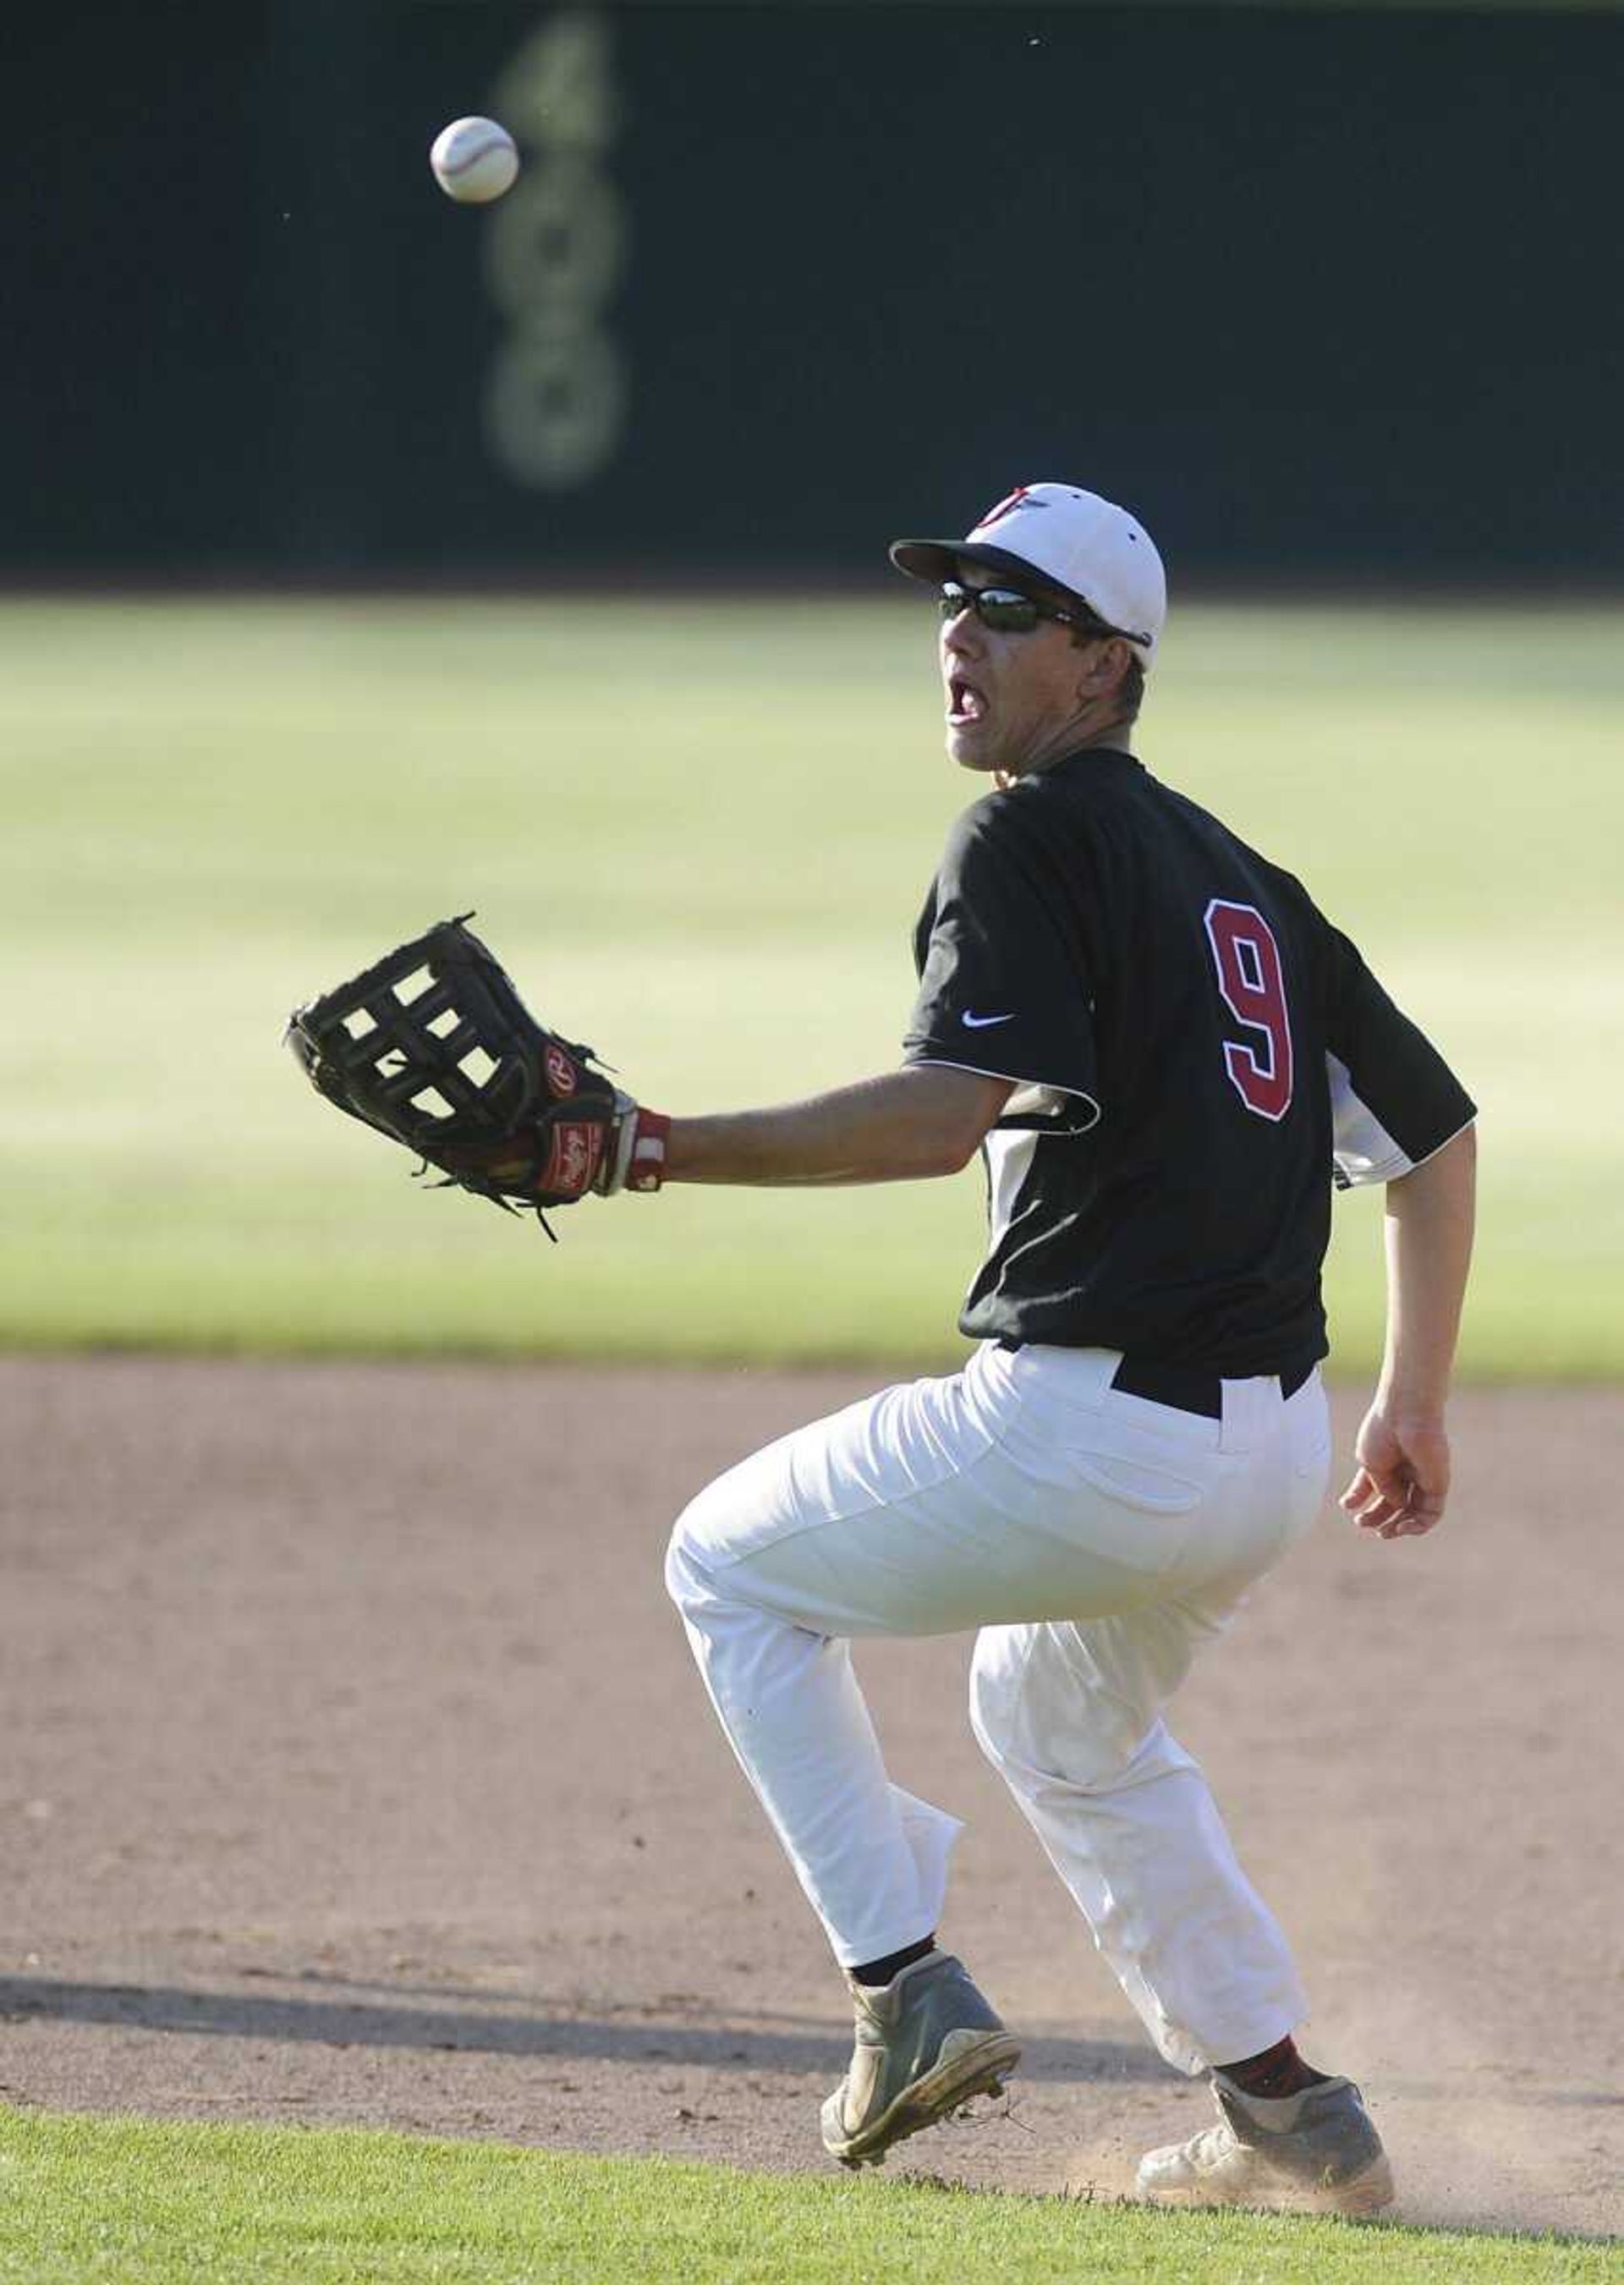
x: 355, y: 1770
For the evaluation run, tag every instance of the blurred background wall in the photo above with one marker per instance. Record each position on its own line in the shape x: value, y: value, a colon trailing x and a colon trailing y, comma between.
x: 1326, y: 293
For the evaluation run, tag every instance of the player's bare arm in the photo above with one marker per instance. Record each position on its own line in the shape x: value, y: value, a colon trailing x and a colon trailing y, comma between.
x: 899, y: 1126
x: 1401, y: 1483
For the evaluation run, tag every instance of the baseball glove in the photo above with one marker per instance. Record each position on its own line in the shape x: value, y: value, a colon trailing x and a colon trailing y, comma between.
x: 432, y: 1046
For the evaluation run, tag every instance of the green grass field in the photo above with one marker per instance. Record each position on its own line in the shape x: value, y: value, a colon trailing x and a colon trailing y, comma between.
x: 698, y: 834
x: 85, y: 2199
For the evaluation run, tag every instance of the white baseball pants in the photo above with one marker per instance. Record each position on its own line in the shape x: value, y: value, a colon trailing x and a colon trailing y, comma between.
x: 1096, y: 1540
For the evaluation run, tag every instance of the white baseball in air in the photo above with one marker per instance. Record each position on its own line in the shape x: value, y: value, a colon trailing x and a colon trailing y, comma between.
x: 474, y: 160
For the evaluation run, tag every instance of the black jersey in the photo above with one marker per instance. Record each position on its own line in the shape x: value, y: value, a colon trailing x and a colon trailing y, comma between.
x: 1198, y: 1053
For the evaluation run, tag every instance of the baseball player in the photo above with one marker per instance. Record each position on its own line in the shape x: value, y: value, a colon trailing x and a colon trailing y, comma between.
x: 1166, y: 1057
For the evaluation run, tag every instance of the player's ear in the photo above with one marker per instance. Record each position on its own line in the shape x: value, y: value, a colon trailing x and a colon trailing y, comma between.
x: 1100, y: 668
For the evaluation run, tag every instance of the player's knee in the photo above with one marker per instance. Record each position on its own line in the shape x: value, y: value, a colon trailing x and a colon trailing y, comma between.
x: 994, y: 1695
x: 989, y: 1726
x: 687, y: 1570
x: 680, y: 1580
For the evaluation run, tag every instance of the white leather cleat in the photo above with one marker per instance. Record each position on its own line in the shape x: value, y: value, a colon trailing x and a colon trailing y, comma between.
x: 1315, y: 2152
x: 926, y: 2043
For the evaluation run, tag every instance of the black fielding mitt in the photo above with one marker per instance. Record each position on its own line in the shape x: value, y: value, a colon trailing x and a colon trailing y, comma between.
x: 432, y: 1046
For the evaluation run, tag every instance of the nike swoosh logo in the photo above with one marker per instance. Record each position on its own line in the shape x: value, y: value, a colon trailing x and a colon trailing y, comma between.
x: 979, y: 1023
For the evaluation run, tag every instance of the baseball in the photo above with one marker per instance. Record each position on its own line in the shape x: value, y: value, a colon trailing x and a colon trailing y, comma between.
x: 474, y: 160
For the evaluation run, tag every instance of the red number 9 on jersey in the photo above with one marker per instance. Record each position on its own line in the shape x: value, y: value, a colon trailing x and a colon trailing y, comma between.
x: 1247, y: 959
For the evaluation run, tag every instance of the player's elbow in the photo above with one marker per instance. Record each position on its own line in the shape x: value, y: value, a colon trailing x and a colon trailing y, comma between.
x: 920, y: 1153
x: 954, y: 1152
x: 949, y: 1113
x: 943, y: 1151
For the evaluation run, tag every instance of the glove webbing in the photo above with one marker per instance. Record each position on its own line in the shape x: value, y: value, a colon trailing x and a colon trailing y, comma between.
x: 403, y: 1055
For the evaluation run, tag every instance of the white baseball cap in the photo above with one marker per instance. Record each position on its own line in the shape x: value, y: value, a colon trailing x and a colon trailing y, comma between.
x: 1073, y: 539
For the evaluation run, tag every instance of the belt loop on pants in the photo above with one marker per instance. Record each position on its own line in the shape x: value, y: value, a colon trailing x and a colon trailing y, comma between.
x: 1183, y: 1387
x: 1188, y: 1388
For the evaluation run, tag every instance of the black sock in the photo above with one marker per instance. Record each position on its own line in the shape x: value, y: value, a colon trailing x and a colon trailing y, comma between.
x: 1279, y: 2072
x: 882, y: 1971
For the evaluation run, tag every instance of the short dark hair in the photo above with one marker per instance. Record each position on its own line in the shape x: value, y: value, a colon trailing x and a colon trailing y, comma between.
x: 1086, y: 627
x: 1131, y: 689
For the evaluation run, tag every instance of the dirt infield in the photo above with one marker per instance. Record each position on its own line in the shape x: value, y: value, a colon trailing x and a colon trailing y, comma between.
x: 354, y: 1769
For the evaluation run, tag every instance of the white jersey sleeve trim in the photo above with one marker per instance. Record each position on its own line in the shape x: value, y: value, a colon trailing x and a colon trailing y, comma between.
x: 1027, y: 1086
x: 1427, y: 1157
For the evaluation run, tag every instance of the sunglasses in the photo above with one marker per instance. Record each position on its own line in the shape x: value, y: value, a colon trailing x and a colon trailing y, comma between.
x: 1007, y: 612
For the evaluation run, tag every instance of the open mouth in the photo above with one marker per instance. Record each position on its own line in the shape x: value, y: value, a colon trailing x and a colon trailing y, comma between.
x: 965, y: 703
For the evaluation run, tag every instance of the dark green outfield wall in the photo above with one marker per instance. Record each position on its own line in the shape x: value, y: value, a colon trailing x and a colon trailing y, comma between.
x: 1325, y: 292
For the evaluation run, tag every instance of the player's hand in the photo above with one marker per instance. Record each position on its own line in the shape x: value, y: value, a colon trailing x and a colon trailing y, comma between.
x: 1402, y: 1480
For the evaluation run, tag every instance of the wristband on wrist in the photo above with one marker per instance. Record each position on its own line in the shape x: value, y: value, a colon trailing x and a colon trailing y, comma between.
x: 645, y: 1168
x: 635, y: 1158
